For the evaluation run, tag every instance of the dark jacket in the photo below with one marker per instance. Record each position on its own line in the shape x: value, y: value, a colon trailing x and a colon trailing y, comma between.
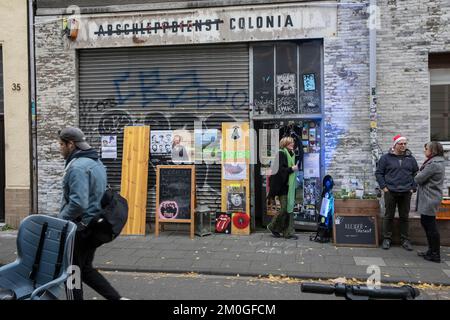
x: 397, y: 172
x: 431, y: 181
x: 278, y: 182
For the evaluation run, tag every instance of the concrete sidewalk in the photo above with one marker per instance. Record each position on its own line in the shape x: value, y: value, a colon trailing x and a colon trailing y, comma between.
x: 257, y: 254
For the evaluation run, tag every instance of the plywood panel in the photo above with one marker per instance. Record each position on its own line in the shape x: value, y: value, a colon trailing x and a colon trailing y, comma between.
x: 236, y: 152
x: 134, y: 177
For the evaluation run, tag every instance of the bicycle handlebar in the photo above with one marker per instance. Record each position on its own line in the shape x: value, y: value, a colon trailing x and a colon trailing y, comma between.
x: 357, y: 291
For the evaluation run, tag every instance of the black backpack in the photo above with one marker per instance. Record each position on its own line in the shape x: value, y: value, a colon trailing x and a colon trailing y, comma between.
x: 109, y: 223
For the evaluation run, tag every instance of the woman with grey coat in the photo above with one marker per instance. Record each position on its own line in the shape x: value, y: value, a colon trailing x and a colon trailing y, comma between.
x: 430, y: 181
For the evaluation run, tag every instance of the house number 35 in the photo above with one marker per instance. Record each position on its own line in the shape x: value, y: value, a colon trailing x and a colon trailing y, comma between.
x: 16, y: 86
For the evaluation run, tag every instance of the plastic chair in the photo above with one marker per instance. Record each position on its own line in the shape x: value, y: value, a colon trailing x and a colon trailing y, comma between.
x: 46, y: 285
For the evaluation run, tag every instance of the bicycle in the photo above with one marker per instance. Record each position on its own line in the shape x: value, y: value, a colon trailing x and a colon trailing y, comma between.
x: 357, y: 292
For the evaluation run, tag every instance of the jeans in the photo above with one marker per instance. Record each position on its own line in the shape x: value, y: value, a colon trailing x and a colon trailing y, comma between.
x: 434, y: 239
x: 403, y: 201
x: 283, y: 222
x: 83, y: 256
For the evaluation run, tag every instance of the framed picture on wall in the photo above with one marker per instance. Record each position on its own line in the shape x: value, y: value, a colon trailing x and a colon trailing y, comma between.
x: 309, y: 82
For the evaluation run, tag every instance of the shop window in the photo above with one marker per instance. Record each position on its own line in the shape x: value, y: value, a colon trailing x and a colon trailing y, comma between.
x: 263, y: 84
x: 287, y: 77
x: 440, y: 97
x: 310, y: 77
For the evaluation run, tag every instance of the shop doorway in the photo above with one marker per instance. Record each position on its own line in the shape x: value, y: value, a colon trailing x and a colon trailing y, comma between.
x: 308, y: 155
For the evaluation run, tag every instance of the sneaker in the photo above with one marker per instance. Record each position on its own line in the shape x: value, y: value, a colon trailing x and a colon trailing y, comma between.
x: 124, y: 298
x: 292, y: 237
x: 274, y: 233
x: 432, y: 257
x: 407, y: 245
x: 386, y: 244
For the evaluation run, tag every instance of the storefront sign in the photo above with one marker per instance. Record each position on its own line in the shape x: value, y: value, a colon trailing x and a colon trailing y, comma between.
x: 209, y: 25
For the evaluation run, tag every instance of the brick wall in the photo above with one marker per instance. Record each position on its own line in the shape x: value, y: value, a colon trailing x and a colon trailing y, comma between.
x: 410, y: 30
x: 346, y: 116
x: 56, y: 87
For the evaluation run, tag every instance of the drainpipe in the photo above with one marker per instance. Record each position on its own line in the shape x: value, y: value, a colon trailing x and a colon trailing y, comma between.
x: 374, y: 146
x: 32, y: 113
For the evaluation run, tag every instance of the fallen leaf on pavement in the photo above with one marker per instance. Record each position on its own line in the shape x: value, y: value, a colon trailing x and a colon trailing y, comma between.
x: 339, y: 280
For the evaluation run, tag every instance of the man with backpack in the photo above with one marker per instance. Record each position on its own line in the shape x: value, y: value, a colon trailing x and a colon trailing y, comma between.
x: 84, y: 184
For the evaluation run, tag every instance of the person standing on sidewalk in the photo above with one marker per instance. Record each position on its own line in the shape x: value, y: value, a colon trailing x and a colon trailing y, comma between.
x: 282, y: 184
x: 84, y: 183
x: 395, y: 175
x: 430, y: 181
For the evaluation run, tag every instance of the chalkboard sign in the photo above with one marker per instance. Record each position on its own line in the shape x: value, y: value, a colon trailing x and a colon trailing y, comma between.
x: 355, y: 231
x: 175, y: 195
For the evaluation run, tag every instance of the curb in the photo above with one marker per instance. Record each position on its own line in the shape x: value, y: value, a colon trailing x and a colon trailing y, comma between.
x: 314, y: 277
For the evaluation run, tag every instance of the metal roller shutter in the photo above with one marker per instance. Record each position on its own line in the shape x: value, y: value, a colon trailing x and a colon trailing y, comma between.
x: 167, y: 88
x: 1, y: 82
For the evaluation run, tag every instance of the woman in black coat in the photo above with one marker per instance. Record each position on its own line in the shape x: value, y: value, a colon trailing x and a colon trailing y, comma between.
x: 282, y: 184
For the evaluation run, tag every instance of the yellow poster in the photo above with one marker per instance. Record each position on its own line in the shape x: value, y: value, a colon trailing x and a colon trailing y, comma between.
x: 235, y: 175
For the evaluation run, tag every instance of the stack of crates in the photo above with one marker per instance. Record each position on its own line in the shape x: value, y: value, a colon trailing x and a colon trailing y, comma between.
x: 444, y: 210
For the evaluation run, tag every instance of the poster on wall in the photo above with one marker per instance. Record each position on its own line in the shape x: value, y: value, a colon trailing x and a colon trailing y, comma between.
x: 234, y: 171
x: 310, y: 199
x: 182, y: 147
x: 309, y: 82
x: 161, y: 142
x: 311, y: 165
x: 312, y: 134
x: 207, y: 146
x: 236, y: 199
x: 109, y: 147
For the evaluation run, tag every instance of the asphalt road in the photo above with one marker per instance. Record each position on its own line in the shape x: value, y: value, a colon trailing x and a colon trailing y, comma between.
x: 162, y: 286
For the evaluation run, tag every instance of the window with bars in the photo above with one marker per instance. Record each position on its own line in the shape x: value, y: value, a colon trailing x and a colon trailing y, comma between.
x: 287, y: 77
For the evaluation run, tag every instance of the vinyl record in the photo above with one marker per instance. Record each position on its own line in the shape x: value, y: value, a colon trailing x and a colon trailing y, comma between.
x: 241, y: 220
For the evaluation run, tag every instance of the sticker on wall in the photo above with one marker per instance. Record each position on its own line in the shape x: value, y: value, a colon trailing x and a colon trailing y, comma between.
x: 223, y: 222
x: 168, y: 210
x: 312, y: 134
x: 286, y: 84
x: 109, y: 147
x: 286, y: 93
x: 309, y: 82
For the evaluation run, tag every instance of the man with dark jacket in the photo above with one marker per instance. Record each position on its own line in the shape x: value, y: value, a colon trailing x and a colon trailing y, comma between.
x: 84, y: 183
x: 395, y: 176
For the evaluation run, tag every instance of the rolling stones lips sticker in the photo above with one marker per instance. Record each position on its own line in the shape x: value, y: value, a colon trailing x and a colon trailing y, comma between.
x: 222, y: 222
x: 168, y: 210
x: 241, y: 220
